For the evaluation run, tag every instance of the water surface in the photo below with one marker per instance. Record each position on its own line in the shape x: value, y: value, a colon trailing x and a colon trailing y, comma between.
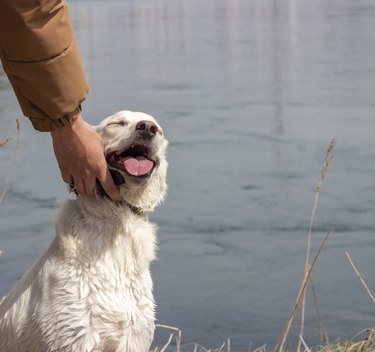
x: 249, y: 93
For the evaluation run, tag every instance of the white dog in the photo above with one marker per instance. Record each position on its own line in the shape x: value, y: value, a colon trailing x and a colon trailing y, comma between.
x: 91, y: 291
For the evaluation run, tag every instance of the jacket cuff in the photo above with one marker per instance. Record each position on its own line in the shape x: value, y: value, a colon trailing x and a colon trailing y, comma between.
x: 48, y: 125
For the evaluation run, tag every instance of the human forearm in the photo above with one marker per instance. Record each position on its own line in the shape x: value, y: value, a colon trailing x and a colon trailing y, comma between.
x: 41, y: 58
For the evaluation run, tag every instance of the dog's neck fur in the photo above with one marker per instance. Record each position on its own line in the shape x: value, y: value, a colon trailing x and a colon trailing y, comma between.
x: 106, y: 212
x: 103, y: 208
x: 101, y: 226
x: 89, y: 230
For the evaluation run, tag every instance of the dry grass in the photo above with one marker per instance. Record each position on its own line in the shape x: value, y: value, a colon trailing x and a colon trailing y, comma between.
x: 364, y: 344
x: 361, y: 277
x: 5, y: 141
x: 13, y: 160
x: 301, y: 297
x: 8, y: 180
x: 326, y: 162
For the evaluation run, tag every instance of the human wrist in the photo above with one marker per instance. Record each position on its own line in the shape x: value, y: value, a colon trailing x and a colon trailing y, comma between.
x: 68, y: 128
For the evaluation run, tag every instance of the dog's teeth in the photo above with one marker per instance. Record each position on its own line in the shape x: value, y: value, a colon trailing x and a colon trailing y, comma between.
x: 118, y: 153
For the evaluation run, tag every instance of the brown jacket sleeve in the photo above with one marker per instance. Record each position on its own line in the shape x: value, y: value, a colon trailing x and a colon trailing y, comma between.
x: 40, y: 56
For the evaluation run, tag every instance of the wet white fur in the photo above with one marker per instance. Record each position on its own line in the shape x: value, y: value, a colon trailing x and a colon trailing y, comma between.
x: 91, y: 291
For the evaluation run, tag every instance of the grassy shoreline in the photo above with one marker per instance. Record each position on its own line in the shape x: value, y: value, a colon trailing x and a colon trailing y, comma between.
x: 363, y: 342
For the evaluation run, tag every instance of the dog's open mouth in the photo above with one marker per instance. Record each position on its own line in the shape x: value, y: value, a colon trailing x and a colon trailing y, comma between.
x: 135, y: 160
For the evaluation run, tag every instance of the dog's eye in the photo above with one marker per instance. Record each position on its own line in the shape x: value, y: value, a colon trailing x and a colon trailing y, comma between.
x: 118, y: 123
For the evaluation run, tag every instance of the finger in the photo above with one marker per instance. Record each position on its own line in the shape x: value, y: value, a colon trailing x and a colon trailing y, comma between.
x: 110, y: 187
x: 89, y: 184
x: 67, y: 178
x: 80, y: 186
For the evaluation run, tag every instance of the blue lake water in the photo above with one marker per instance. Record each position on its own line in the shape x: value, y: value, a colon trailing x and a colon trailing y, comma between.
x: 250, y: 93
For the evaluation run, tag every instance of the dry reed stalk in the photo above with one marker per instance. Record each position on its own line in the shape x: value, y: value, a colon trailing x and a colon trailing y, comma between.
x: 178, y: 341
x: 308, y: 268
x: 170, y: 336
x: 307, y: 349
x: 13, y: 163
x: 361, y: 277
x: 221, y: 349
x: 225, y: 347
x: 327, y: 160
x: 176, y: 333
x: 322, y: 331
x: 260, y: 349
x: 199, y: 348
x: 284, y: 334
x: 168, y: 343
x: 5, y: 141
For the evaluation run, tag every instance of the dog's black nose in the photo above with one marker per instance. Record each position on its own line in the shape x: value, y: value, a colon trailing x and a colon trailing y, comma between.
x: 146, y: 129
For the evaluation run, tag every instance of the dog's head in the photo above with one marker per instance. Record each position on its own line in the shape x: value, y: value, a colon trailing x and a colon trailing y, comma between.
x: 135, y: 149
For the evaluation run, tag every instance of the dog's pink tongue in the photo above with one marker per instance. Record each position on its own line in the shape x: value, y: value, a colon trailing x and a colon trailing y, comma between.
x: 137, y: 166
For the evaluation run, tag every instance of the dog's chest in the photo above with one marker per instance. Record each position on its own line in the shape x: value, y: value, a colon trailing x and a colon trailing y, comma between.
x: 110, y: 287
x: 116, y: 310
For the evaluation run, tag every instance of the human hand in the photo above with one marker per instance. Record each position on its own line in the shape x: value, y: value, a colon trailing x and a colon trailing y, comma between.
x: 79, y: 152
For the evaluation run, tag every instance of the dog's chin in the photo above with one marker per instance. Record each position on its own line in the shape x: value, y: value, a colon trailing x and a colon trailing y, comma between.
x: 124, y: 181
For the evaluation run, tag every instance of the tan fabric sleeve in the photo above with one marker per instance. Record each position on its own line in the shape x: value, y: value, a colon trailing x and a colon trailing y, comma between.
x: 40, y: 56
